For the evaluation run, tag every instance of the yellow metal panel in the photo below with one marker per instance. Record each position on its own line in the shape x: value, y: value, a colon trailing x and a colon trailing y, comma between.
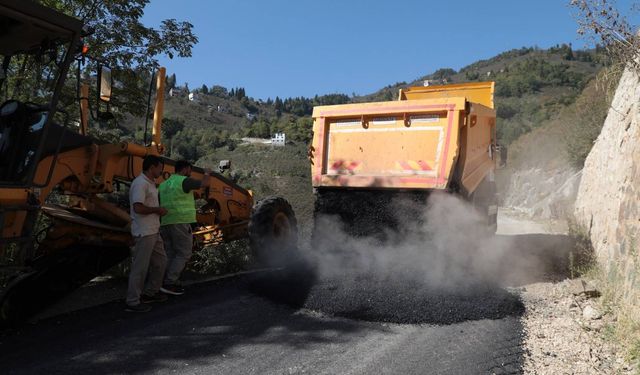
x: 12, y: 225
x: 416, y: 142
x: 476, y: 92
x: 479, y: 136
x: 386, y: 144
x: 392, y: 107
x: 390, y: 150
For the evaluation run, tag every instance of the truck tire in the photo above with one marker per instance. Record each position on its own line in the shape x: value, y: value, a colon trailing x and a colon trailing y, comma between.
x: 273, y: 232
x: 485, y: 201
x: 367, y: 213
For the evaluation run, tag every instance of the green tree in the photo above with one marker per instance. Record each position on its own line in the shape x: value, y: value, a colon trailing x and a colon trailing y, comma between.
x: 260, y: 129
x: 171, y: 81
x: 121, y: 39
x: 277, y: 104
x: 239, y: 93
x: 171, y: 127
x: 219, y: 91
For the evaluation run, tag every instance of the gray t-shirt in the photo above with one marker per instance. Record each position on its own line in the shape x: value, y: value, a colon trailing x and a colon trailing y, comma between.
x: 144, y: 191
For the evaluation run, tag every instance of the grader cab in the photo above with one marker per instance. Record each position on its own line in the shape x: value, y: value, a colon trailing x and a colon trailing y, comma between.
x: 63, y: 219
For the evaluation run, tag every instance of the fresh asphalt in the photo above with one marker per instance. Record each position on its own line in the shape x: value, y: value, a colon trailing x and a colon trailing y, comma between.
x: 222, y: 328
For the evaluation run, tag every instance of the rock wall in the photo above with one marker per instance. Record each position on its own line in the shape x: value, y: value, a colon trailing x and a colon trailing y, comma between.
x: 540, y: 183
x: 608, y: 202
x: 542, y: 193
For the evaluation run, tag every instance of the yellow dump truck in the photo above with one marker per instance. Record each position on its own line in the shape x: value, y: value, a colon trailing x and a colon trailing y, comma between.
x: 365, y: 155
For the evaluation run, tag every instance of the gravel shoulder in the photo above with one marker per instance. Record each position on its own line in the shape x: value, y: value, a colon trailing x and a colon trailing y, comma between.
x: 564, y: 325
x: 565, y: 332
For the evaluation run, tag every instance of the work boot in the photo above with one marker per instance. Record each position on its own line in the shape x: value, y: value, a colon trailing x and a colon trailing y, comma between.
x: 158, y: 297
x: 174, y: 290
x: 138, y: 308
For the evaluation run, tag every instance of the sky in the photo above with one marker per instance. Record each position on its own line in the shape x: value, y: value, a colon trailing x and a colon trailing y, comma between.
x: 291, y: 48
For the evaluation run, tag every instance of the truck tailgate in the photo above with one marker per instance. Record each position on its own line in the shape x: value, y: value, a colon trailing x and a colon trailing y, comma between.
x: 388, y: 144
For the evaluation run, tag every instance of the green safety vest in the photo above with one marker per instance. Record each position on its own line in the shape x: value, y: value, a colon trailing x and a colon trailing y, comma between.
x: 181, y: 206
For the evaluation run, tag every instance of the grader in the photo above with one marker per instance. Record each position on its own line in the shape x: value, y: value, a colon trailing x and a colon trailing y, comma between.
x: 61, y: 219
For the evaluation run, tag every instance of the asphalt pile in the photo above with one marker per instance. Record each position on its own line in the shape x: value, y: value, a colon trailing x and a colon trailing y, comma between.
x: 371, y: 297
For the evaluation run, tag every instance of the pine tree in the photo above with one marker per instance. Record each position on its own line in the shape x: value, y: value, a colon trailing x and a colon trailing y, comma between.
x: 171, y: 82
x: 278, y: 104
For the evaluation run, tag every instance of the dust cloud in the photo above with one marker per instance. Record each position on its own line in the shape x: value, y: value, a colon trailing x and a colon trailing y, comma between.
x: 448, y: 246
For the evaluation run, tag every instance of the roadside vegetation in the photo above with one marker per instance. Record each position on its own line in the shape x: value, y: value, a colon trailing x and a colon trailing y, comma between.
x: 616, y: 291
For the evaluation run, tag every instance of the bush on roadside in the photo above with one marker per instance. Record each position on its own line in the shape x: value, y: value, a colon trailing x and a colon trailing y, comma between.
x: 222, y: 259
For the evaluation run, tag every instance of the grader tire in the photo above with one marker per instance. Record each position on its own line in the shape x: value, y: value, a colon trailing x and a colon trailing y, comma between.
x: 273, y: 232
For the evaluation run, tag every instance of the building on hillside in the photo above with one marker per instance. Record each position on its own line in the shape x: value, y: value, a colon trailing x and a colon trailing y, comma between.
x: 278, y: 139
x: 435, y: 82
x: 177, y: 91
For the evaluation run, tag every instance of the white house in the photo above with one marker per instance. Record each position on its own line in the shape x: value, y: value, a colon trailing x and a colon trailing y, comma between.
x: 278, y: 139
x: 176, y: 91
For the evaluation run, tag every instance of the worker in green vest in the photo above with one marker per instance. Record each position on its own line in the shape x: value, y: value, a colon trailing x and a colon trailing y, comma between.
x: 176, y: 195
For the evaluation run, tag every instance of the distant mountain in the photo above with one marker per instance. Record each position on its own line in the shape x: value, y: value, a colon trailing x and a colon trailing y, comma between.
x: 532, y: 86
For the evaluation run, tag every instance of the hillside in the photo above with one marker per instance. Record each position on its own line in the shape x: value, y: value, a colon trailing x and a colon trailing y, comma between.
x: 532, y: 86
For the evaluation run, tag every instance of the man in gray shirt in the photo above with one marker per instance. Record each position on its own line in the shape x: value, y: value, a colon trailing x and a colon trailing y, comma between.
x: 149, y: 257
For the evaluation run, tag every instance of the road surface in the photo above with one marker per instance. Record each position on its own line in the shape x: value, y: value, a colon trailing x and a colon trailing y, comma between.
x: 222, y: 327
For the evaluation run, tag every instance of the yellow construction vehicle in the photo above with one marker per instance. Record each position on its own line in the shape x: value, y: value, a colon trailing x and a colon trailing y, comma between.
x: 44, y: 155
x: 436, y: 138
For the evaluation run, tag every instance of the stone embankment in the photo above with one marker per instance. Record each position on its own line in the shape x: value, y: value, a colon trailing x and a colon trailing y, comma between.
x: 608, y: 202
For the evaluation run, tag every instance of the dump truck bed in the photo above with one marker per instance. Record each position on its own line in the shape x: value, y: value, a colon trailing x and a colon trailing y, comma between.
x: 429, y: 139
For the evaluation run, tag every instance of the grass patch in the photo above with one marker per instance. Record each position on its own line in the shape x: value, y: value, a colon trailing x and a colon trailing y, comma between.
x: 582, y: 260
x: 625, y: 328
